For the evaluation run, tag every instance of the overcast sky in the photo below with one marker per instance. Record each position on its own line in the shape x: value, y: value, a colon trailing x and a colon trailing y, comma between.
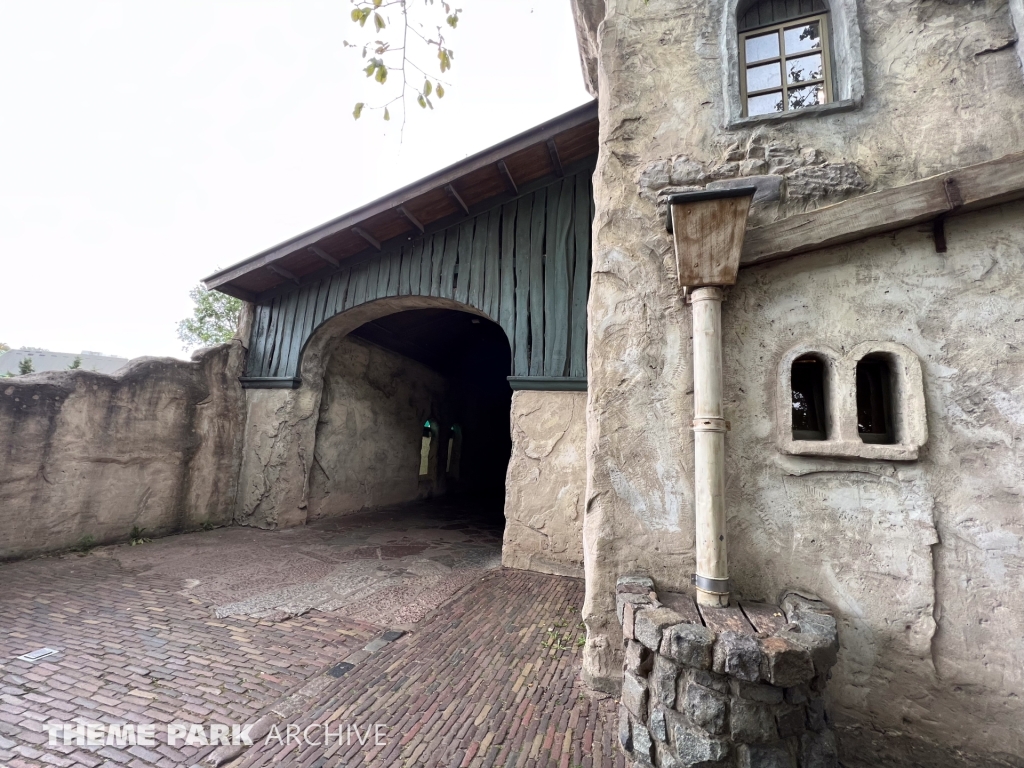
x: 145, y: 144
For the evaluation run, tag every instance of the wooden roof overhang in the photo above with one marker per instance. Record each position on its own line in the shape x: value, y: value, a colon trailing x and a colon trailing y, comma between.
x: 505, y: 171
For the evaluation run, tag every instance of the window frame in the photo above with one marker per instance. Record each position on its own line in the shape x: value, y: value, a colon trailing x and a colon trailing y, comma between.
x: 780, y: 29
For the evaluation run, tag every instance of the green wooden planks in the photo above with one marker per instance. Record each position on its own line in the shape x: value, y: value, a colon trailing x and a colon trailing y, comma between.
x: 403, y: 275
x: 537, y: 246
x: 492, y: 261
x: 258, y: 340
x: 507, y: 287
x: 465, y: 266
x: 521, y: 339
x: 556, y: 283
x: 436, y: 264
x: 446, y: 286
x: 581, y: 276
x: 478, y: 272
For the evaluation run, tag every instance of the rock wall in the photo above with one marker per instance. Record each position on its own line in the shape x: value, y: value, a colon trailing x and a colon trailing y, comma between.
x: 92, y: 455
x: 368, y: 437
x: 921, y: 559
x: 546, y: 483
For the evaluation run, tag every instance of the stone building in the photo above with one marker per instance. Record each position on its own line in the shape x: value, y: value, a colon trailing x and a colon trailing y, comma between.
x: 871, y: 353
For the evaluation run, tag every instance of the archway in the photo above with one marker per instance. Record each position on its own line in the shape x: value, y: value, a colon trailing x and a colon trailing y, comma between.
x: 414, y: 406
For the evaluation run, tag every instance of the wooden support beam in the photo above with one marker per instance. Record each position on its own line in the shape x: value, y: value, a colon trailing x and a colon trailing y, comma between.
x: 457, y: 198
x: 506, y: 174
x: 367, y: 237
x: 556, y: 161
x: 283, y: 273
x: 948, y: 194
x: 323, y: 255
x: 411, y: 219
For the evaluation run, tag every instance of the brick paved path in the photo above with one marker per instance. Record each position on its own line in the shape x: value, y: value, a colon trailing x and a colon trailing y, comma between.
x: 480, y: 681
x: 491, y: 679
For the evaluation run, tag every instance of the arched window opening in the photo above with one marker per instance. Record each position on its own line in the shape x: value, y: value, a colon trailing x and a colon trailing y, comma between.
x: 427, y: 451
x: 454, y: 451
x: 875, y: 401
x: 785, y: 56
x: 810, y: 410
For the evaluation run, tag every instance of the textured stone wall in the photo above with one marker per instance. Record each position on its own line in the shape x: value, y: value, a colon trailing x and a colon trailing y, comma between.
x: 92, y: 455
x: 697, y: 696
x: 922, y: 560
x: 546, y: 483
x: 368, y: 438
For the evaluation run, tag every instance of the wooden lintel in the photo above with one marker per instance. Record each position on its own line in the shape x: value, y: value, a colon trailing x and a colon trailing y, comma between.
x: 283, y: 273
x: 457, y: 198
x: 506, y: 174
x: 367, y: 237
x: 323, y: 256
x: 556, y: 161
x: 411, y: 219
x: 949, y: 194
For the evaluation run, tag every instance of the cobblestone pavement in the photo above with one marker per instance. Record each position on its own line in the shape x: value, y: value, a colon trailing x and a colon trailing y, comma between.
x: 243, y: 626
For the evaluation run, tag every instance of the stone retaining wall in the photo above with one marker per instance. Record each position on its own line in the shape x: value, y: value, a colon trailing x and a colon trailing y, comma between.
x: 692, y: 696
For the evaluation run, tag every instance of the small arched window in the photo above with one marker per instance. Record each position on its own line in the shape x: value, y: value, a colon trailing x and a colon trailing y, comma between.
x: 785, y: 55
x: 428, y: 448
x: 875, y: 400
x: 810, y: 410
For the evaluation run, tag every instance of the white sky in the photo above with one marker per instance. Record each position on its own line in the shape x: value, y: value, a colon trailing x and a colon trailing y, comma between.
x: 143, y: 144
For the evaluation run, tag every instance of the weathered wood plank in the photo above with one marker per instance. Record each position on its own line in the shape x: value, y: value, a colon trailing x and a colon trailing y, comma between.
x: 359, y: 276
x: 524, y: 220
x: 419, y: 253
x: 383, y: 275
x: 372, y: 271
x: 394, y: 273
x: 683, y: 604
x: 766, y: 618
x: 478, y: 274
x: 582, y: 225
x: 449, y: 261
x: 507, y: 289
x: 537, y: 246
x: 344, y: 285
x: 465, y: 263
x: 556, y: 285
x: 307, y: 297
x: 403, y: 270
x: 258, y: 340
x: 277, y: 334
x: 492, y: 270
x: 977, y: 186
x: 729, y: 619
x: 283, y: 342
x: 437, y: 262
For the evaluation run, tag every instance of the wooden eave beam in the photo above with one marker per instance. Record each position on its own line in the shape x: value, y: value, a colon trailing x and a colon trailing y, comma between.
x: 282, y: 272
x: 411, y: 219
x: 506, y: 174
x: 367, y: 237
x: 556, y: 161
x: 949, y: 194
x: 457, y: 198
x: 323, y: 256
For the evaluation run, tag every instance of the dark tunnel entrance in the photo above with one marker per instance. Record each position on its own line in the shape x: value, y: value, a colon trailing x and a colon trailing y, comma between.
x: 416, y: 406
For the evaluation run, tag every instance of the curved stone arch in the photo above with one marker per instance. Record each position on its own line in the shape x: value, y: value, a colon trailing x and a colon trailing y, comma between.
x: 848, y: 71
x: 784, y: 395
x: 908, y: 388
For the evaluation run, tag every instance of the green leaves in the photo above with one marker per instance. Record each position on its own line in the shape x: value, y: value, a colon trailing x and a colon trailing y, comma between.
x: 440, y: 91
x: 358, y: 111
x: 427, y: 88
x: 444, y: 56
x: 214, y: 319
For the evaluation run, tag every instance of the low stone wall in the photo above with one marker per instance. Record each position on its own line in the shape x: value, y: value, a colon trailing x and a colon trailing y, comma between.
x: 692, y: 696
x: 547, y: 478
x: 87, y: 456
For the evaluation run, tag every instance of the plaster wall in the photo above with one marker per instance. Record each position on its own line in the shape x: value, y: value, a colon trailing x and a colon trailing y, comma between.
x: 368, y: 438
x: 155, y: 445
x: 546, y: 483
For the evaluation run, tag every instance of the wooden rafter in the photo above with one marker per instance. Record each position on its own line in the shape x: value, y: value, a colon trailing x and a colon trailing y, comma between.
x: 411, y: 219
x: 283, y: 273
x: 367, y: 237
x: 506, y: 174
x: 457, y: 198
x: 556, y: 161
x: 323, y: 255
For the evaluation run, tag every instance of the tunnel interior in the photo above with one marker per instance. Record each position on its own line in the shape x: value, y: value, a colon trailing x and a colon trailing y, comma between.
x: 416, y: 406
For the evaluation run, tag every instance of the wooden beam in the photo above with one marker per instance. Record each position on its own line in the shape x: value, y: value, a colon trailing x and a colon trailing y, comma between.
x: 323, y: 255
x: 411, y: 219
x: 367, y: 237
x: 955, y: 192
x: 583, y: 115
x: 238, y: 293
x: 506, y: 174
x: 457, y: 198
x: 283, y: 273
x: 556, y: 161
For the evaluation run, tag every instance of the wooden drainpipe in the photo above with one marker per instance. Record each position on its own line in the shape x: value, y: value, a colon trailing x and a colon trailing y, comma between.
x: 708, y: 229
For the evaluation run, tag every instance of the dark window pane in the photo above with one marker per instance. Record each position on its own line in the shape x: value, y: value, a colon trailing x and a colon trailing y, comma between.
x: 806, y: 37
x: 765, y: 104
x: 763, y: 47
x: 809, y: 412
x: 874, y: 401
x: 808, y: 96
x: 804, y: 68
x: 764, y: 77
